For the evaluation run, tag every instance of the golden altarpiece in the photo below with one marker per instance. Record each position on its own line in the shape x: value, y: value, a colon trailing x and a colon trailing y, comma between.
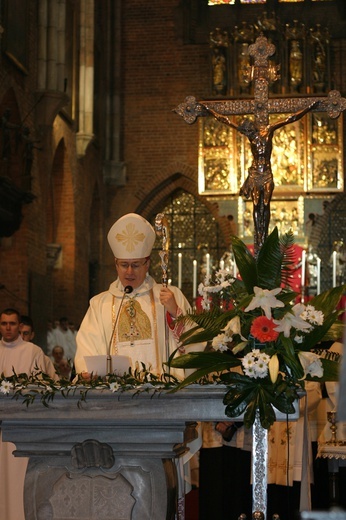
x: 307, y: 162
x: 307, y: 158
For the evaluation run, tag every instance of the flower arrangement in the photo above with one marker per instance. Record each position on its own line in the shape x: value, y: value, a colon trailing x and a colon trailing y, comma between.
x: 261, y: 344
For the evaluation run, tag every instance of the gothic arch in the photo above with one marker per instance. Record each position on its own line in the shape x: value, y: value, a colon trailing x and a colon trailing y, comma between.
x: 199, y: 229
x: 179, y: 176
x: 13, y: 229
x: 61, y: 232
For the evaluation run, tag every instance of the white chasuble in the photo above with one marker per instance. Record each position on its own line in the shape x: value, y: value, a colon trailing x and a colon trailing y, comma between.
x: 142, y: 331
x: 136, y: 335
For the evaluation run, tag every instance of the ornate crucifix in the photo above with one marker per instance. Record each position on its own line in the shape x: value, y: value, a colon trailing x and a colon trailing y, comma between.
x: 259, y: 184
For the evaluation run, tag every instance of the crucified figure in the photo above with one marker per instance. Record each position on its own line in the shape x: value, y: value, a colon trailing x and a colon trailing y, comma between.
x: 259, y: 184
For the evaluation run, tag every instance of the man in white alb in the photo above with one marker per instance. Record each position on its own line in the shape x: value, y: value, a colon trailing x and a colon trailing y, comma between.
x: 22, y: 357
x: 145, y: 324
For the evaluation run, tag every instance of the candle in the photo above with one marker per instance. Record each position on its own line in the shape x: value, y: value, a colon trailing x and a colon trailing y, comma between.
x: 334, y: 268
x: 207, y: 256
x: 180, y: 266
x: 194, y: 288
x: 235, y: 272
x: 303, y: 275
x: 222, y: 264
x: 303, y: 267
x: 318, y: 290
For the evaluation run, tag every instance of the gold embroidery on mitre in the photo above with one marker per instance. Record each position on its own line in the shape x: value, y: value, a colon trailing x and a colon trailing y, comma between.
x: 130, y: 237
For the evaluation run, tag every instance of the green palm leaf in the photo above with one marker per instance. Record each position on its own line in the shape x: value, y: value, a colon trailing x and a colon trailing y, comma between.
x: 269, y: 262
x: 208, y: 325
x: 275, y: 260
x: 246, y: 264
x: 328, y: 300
x: 318, y: 333
x: 288, y: 257
x: 204, y: 359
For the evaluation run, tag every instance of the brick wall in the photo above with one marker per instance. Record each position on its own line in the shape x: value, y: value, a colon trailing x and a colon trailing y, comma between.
x: 163, y: 60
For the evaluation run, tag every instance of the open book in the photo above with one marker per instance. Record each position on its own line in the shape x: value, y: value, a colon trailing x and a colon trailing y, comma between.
x: 98, y: 364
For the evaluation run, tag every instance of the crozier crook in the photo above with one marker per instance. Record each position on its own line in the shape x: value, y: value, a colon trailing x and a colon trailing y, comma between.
x: 161, y: 228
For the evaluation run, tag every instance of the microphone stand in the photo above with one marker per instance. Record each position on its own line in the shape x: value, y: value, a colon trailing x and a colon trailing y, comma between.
x: 127, y: 290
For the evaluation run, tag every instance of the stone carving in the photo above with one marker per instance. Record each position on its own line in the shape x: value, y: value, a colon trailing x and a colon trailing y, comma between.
x: 92, y: 498
x: 92, y: 454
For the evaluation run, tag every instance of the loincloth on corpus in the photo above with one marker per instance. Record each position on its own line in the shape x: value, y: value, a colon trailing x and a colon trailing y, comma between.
x: 257, y: 184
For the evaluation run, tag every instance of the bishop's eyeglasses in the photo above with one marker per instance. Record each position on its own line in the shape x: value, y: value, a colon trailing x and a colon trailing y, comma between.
x: 124, y: 266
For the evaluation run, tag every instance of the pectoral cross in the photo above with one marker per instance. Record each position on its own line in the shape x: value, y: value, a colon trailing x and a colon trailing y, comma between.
x: 259, y: 184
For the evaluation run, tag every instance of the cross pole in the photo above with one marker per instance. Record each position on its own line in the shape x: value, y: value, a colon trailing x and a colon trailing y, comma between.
x: 259, y: 184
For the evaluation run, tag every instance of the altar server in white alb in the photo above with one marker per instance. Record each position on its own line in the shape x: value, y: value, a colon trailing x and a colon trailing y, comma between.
x: 146, y: 321
x: 19, y: 356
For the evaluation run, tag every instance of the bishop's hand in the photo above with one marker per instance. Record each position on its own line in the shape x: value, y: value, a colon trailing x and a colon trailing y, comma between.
x: 167, y: 299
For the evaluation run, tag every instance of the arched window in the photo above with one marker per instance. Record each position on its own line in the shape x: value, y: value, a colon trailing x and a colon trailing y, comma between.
x: 193, y: 233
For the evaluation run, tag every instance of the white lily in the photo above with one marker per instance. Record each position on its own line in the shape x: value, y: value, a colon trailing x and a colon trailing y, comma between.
x: 265, y: 299
x: 233, y: 327
x: 311, y: 364
x: 292, y: 319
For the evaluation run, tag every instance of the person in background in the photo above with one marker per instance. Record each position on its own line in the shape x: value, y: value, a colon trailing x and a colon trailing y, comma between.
x: 64, y: 336
x: 27, y: 333
x: 19, y: 356
x: 57, y: 355
x: 50, y: 337
x: 290, y: 480
x: 72, y: 328
x: 323, y: 496
x: 64, y: 369
x: 61, y: 363
x: 27, y: 328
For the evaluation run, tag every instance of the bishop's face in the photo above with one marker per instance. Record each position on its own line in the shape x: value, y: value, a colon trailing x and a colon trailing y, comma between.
x: 132, y: 271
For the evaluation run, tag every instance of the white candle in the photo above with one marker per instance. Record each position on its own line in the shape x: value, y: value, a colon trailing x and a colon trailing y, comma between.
x: 222, y: 264
x: 194, y: 287
x: 207, y: 256
x: 180, y: 268
x: 318, y: 290
x: 334, y: 268
x: 235, y: 271
x: 303, y: 267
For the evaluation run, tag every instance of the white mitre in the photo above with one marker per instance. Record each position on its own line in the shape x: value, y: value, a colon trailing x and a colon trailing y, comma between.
x: 131, y: 237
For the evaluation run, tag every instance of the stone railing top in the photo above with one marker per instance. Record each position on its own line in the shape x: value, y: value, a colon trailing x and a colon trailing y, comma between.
x: 194, y: 403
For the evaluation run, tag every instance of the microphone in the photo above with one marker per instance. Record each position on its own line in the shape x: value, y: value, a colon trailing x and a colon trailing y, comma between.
x: 127, y: 290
